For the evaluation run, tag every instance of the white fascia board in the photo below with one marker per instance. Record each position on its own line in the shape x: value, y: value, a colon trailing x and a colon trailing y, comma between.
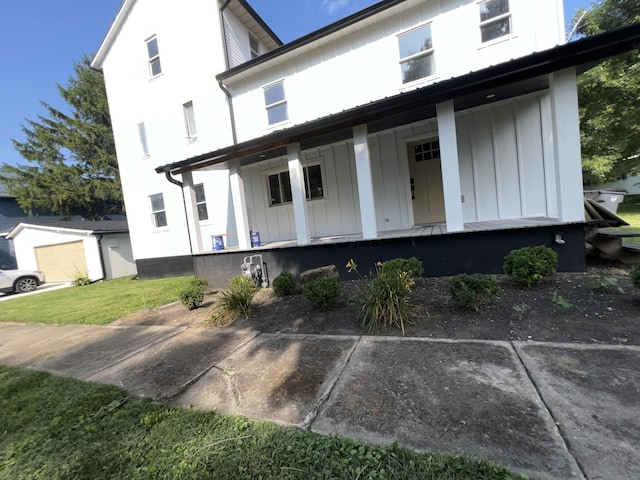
x: 13, y: 233
x: 112, y: 34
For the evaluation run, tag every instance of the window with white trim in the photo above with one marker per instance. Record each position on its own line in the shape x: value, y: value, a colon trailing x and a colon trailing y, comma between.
x: 201, y: 202
x: 416, y: 54
x: 157, y: 210
x: 254, y: 46
x: 154, y: 56
x: 495, y: 19
x: 190, y: 121
x: 280, y: 185
x: 142, y: 135
x: 275, y: 103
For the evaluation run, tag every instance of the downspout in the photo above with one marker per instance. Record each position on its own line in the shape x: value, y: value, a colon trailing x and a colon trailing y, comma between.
x: 184, y: 204
x: 225, y: 49
x: 104, y: 270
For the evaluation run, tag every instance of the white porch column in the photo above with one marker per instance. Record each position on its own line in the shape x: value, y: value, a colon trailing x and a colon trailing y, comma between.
x: 191, y: 210
x: 450, y: 166
x: 239, y: 206
x: 566, y: 145
x: 299, y: 197
x: 365, y: 182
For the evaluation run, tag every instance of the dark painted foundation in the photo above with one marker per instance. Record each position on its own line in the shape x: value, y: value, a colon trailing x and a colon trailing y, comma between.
x: 442, y: 255
x: 167, y: 267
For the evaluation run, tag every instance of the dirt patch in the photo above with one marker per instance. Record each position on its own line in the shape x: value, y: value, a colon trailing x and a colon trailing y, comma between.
x: 583, y: 311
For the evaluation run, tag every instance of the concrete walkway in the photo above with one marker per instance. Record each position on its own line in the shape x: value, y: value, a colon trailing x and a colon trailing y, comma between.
x: 552, y: 411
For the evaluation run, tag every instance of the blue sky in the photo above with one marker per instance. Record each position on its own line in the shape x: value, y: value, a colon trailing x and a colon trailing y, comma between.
x: 41, y: 39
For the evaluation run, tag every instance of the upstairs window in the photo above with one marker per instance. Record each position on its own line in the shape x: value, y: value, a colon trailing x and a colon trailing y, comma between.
x: 254, y: 46
x: 280, y: 185
x: 495, y: 19
x: 201, y: 202
x: 157, y: 210
x: 275, y: 103
x: 142, y: 135
x: 416, y: 54
x: 190, y: 121
x: 154, y: 57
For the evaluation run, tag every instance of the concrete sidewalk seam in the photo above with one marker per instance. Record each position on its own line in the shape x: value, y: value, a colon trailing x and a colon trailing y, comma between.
x: 579, y: 346
x: 563, y: 435
x: 197, y: 377
x: 324, y: 398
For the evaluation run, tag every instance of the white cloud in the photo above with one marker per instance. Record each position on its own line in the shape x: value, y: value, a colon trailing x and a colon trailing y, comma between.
x: 334, y: 5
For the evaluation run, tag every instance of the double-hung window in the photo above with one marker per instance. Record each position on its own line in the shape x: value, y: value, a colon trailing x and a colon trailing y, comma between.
x: 495, y: 19
x: 416, y: 54
x: 157, y: 210
x: 254, y: 46
x: 142, y: 135
x: 280, y: 185
x: 276, y: 103
x: 154, y: 57
x: 190, y: 121
x: 201, y: 202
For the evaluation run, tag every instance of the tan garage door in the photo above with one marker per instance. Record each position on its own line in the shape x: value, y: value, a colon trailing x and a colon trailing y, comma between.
x: 62, y: 262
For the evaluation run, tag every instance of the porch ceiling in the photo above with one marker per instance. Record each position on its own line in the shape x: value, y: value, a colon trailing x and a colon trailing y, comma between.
x: 507, y: 79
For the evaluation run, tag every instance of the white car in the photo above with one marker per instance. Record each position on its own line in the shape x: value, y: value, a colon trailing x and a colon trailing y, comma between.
x: 20, y: 281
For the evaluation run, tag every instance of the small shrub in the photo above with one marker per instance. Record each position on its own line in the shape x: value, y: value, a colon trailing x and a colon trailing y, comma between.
x: 635, y: 276
x: 237, y: 301
x: 322, y: 292
x: 80, y: 279
x: 193, y: 296
x: 529, y: 265
x: 285, y: 283
x: 473, y: 290
x: 412, y: 266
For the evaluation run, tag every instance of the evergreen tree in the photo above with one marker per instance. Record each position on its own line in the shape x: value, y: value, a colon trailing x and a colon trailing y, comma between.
x: 72, y: 166
x: 609, y: 97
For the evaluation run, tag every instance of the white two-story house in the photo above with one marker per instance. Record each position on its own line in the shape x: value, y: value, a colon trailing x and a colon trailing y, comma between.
x: 446, y: 130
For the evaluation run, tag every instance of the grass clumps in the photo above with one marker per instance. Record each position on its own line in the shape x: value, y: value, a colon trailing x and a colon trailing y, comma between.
x: 474, y: 290
x: 323, y: 291
x: 285, y: 283
x: 635, y: 276
x: 529, y: 265
x: 60, y: 428
x: 236, y: 301
x: 193, y: 296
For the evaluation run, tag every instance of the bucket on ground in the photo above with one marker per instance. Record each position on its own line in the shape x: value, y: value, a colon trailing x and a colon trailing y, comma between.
x: 218, y: 242
x: 255, y: 238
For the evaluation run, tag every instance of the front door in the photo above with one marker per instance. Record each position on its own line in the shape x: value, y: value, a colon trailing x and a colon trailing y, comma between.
x: 426, y: 181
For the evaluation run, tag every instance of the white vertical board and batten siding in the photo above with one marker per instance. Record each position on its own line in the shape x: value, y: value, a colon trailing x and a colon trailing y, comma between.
x: 237, y: 37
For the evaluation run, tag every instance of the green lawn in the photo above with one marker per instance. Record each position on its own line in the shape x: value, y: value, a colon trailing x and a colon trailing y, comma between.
x: 629, y: 210
x: 60, y: 428
x: 99, y: 303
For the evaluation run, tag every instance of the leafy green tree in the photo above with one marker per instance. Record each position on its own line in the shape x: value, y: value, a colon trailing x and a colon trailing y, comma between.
x: 610, y: 99
x: 72, y: 166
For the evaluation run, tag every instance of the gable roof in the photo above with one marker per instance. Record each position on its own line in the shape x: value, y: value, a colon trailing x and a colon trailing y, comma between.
x: 420, y: 103
x: 88, y: 227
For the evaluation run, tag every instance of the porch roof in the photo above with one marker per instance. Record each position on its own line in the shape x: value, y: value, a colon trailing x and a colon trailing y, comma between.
x: 420, y: 103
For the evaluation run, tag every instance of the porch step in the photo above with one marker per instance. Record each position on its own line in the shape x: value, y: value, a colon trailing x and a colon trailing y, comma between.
x: 609, y: 244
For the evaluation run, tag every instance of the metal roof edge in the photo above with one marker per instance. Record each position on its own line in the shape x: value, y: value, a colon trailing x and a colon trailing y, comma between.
x: 112, y: 33
x: 260, y: 21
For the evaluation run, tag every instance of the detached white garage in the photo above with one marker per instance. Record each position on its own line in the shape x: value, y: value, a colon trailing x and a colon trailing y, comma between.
x: 65, y: 250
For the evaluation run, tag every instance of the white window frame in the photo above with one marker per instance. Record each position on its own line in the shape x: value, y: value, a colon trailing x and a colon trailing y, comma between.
x: 202, y: 202
x: 496, y: 19
x: 307, y: 187
x: 253, y: 52
x: 190, y: 121
x: 423, y: 53
x: 278, y: 103
x: 157, y: 214
x: 153, y: 58
x: 144, y: 142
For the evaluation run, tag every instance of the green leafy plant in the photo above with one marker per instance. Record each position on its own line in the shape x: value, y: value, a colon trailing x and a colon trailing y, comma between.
x: 235, y: 302
x: 193, y: 296
x: 529, y: 265
x: 285, y: 283
x: 520, y: 310
x: 322, y: 292
x: 635, y: 276
x: 412, y: 266
x: 606, y: 284
x: 473, y: 291
x: 560, y: 301
x: 80, y: 279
